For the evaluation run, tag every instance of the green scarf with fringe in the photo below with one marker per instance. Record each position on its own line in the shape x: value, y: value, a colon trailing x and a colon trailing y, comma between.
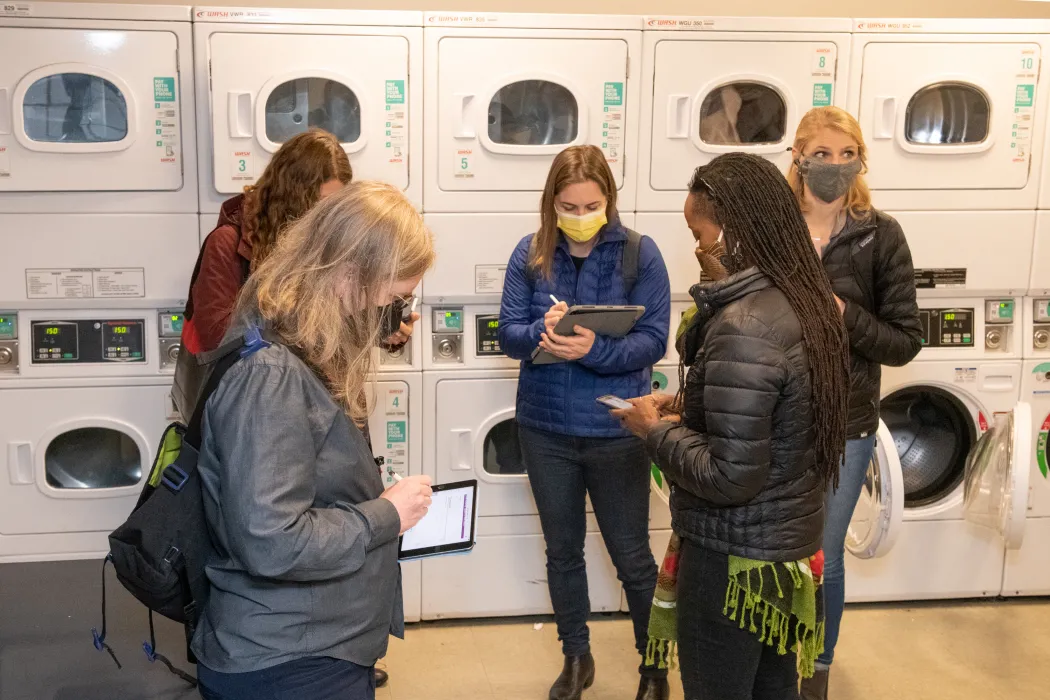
x: 782, y: 602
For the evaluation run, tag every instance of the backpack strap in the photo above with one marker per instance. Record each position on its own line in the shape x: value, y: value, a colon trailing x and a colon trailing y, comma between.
x: 246, y: 269
x: 631, y: 252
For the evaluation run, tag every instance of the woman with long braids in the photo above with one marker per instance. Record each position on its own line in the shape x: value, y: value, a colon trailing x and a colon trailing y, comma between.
x: 750, y: 444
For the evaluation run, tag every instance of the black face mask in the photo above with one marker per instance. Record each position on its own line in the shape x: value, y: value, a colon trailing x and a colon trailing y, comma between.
x: 391, y: 317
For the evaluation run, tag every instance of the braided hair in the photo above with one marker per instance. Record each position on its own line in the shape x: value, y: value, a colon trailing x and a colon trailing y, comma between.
x: 748, y: 197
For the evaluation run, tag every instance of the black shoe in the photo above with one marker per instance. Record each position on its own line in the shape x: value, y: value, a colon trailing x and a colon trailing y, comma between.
x: 815, y: 688
x: 381, y: 677
x: 653, y: 689
x: 576, y: 677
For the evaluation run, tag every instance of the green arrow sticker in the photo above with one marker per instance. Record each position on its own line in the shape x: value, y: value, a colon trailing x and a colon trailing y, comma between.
x: 1040, y: 446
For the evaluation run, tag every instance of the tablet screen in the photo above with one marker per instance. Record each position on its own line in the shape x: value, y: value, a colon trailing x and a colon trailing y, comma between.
x: 449, y: 524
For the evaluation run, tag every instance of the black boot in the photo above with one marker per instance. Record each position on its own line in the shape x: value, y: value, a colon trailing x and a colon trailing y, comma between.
x: 381, y: 677
x: 815, y: 688
x: 653, y: 689
x: 576, y: 677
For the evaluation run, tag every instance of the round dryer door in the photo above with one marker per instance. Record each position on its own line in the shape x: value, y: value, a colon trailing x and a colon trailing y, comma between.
x: 997, y: 471
x: 877, y: 518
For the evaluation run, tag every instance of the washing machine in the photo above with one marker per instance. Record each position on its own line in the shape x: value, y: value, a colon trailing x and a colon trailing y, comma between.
x: 953, y: 111
x: 505, y: 93
x: 96, y: 108
x: 721, y: 84
x: 268, y: 74
x: 1027, y: 570
x: 947, y: 412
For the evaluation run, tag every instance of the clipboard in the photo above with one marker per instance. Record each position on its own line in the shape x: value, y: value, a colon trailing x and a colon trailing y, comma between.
x: 610, y: 321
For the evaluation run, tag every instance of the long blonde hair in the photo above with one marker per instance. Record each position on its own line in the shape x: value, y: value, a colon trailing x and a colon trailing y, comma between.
x: 368, y: 236
x: 572, y: 166
x: 858, y: 199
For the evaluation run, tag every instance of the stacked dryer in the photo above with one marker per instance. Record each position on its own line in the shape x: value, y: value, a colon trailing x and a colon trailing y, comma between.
x: 953, y: 112
x: 712, y: 86
x: 265, y: 75
x: 98, y: 223
x: 501, y: 101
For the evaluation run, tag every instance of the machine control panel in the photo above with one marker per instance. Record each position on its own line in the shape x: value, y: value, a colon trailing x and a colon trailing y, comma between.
x: 1041, y: 331
x: 8, y: 343
x: 447, y: 336
x: 999, y: 312
x: 88, y: 341
x: 488, y: 336
x: 1040, y: 312
x: 170, y: 323
x: 8, y: 326
x: 947, y: 328
x: 448, y: 320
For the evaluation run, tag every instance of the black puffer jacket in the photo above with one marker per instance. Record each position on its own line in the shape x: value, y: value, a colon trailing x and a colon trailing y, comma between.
x: 742, y: 464
x: 869, y: 265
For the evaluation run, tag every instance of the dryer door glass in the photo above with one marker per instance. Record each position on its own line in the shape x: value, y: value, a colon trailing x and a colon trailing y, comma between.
x: 92, y: 458
x: 948, y: 114
x: 502, y: 451
x: 879, y: 512
x: 743, y: 113
x: 533, y: 113
x: 933, y: 433
x: 297, y: 105
x: 996, y: 490
x: 74, y: 108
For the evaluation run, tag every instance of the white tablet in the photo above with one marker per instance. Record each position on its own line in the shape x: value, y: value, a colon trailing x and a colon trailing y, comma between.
x: 449, y: 526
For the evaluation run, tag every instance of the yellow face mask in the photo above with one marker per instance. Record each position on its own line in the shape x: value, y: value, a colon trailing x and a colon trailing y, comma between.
x: 582, y: 228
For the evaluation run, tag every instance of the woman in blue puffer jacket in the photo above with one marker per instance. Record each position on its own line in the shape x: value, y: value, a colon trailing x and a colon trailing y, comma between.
x: 570, y: 444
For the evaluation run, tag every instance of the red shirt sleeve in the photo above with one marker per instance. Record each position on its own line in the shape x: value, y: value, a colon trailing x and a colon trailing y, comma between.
x: 217, y: 285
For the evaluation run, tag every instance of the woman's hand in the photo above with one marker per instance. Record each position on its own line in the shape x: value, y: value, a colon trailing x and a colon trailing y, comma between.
x: 642, y: 417
x: 405, y: 332
x: 411, y: 498
x: 554, y: 314
x: 568, y: 347
x: 665, y: 407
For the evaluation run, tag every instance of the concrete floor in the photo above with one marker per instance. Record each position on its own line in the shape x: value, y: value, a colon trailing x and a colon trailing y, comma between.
x: 990, y: 650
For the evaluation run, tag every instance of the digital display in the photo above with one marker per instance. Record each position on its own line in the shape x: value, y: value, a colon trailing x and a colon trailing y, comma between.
x: 448, y: 321
x: 84, y: 341
x: 494, y: 324
x: 947, y: 328
x: 488, y: 336
x: 948, y: 317
x: 120, y: 330
x: 52, y: 330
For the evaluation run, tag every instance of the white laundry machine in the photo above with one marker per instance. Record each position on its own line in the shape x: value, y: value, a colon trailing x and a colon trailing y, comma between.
x: 953, y: 111
x: 96, y: 108
x: 395, y: 427
x: 720, y: 84
x: 942, y: 412
x: 505, y: 93
x: 268, y: 74
x: 1027, y: 570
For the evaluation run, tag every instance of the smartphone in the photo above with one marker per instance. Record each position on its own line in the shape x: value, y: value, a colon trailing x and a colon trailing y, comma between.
x: 612, y: 401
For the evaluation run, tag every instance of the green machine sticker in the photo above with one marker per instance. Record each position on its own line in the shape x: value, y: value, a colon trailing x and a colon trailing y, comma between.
x: 614, y: 94
x: 1040, y: 446
x: 396, y: 431
x: 822, y: 94
x: 164, y: 89
x: 395, y: 92
x: 1025, y: 96
x: 659, y: 381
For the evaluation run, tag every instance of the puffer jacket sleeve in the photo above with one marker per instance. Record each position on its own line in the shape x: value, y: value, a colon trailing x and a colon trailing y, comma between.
x: 746, y: 371
x: 518, y: 333
x: 647, y: 342
x: 217, y: 285
x: 892, y: 335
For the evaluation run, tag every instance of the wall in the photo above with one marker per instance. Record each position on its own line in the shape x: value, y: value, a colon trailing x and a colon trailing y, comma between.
x: 797, y: 8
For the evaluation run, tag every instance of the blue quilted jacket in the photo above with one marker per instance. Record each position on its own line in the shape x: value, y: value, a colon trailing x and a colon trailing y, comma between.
x: 560, y: 398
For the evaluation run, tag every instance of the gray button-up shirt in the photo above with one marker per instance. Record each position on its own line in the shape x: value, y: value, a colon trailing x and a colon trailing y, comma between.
x: 306, y: 551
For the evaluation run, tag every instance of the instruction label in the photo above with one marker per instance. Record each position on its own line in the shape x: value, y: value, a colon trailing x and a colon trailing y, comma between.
x: 86, y: 283
x: 242, y: 166
x: 396, y: 121
x: 1021, y: 128
x: 965, y: 375
x: 5, y: 162
x: 613, y: 123
x: 392, y: 428
x: 20, y: 9
x: 822, y: 94
x: 166, y: 119
x: 488, y: 279
x: 940, y: 278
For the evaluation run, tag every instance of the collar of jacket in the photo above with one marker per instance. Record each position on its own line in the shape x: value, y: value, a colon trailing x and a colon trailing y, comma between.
x: 610, y: 233
x: 713, y: 296
x: 853, y: 229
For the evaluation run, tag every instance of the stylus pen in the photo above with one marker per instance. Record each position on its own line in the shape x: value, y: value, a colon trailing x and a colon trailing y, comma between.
x: 397, y: 477
x: 554, y: 299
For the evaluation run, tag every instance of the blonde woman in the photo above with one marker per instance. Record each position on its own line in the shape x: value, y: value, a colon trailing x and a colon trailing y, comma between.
x: 570, y: 445
x: 868, y: 262
x: 305, y: 582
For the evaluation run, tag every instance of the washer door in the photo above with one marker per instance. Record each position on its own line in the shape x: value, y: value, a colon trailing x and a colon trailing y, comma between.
x: 877, y: 518
x: 997, y: 471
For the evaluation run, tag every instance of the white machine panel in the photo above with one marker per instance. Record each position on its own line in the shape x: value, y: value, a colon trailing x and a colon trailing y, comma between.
x: 952, y: 120
x: 90, y: 260
x: 678, y: 248
x: 1040, y: 282
x: 502, y: 101
x: 96, y: 109
x: 717, y: 85
x: 279, y: 73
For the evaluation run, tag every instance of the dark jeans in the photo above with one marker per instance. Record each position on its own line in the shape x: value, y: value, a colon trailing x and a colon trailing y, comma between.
x: 719, y: 660
x: 315, y: 677
x: 615, y: 472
